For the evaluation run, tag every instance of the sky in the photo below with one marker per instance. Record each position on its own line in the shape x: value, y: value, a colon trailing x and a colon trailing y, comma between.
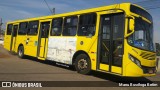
x: 20, y: 9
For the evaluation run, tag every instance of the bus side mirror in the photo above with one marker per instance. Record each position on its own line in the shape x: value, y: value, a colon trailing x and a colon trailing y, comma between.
x: 131, y: 27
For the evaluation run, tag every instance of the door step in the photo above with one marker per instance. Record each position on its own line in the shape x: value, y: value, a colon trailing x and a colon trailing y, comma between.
x: 41, y: 58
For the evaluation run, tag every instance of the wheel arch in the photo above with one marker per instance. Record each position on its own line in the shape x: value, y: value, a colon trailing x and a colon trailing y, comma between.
x: 78, y: 53
x: 20, y: 45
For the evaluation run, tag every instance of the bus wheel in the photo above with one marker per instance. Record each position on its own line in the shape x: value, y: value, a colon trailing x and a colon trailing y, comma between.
x: 21, y: 52
x: 83, y: 64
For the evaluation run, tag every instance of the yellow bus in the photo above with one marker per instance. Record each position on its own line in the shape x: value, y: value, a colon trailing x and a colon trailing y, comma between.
x: 116, y: 39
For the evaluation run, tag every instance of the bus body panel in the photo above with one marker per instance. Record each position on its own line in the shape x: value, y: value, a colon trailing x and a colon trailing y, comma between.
x: 21, y: 40
x: 93, y: 54
x: 31, y: 46
x: 42, y: 52
x: 61, y: 49
x: 85, y: 43
x: 7, y: 42
x: 13, y: 46
x: 130, y: 68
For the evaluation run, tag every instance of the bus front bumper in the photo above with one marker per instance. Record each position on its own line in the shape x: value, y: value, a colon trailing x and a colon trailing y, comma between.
x: 132, y: 70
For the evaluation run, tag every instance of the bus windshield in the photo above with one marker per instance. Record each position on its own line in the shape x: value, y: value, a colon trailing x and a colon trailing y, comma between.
x: 143, y: 35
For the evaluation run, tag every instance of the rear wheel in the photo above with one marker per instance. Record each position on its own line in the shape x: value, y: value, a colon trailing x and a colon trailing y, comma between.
x: 83, y: 64
x: 21, y: 52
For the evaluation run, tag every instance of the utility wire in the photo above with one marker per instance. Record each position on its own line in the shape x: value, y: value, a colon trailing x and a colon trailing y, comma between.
x: 144, y: 1
x: 152, y: 8
x: 48, y: 7
x: 152, y: 4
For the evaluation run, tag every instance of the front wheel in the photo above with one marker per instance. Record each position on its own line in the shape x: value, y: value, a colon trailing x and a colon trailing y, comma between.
x: 21, y: 52
x: 83, y: 64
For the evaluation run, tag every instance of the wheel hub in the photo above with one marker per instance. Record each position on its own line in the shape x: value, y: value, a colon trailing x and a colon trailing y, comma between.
x: 82, y: 64
x: 20, y: 52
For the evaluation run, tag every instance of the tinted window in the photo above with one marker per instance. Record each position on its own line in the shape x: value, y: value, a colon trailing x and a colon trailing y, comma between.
x: 56, y: 27
x: 23, y: 27
x: 118, y: 35
x: 118, y: 27
x: 33, y: 28
x: 45, y: 29
x: 15, y: 28
x: 70, y: 26
x: 87, y: 23
x: 9, y: 29
x: 141, y: 12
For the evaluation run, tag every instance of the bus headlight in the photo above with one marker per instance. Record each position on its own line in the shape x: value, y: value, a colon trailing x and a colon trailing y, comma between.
x: 135, y: 60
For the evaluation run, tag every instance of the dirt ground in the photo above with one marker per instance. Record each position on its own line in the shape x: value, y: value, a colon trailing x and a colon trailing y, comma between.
x: 13, y: 68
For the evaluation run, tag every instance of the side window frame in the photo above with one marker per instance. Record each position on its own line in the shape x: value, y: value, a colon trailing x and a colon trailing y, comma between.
x: 23, y: 29
x: 15, y: 30
x: 70, y: 26
x: 9, y: 30
x: 33, y: 27
x: 58, y: 27
x: 87, y: 24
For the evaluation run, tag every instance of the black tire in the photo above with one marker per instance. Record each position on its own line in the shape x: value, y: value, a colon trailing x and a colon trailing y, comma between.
x: 83, y: 64
x: 21, y: 52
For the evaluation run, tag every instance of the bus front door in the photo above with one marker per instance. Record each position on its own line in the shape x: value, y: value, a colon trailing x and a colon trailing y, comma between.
x: 110, y: 51
x: 13, y: 38
x: 43, y: 39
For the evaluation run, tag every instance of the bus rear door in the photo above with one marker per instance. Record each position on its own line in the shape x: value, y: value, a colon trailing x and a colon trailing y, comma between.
x: 8, y: 35
x: 13, y: 38
x: 43, y: 39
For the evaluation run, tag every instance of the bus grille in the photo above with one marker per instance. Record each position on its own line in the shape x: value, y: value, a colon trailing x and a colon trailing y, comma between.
x: 149, y: 56
x: 149, y: 69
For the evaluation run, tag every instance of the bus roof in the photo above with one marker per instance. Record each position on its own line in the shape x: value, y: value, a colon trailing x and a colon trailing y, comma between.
x: 114, y: 6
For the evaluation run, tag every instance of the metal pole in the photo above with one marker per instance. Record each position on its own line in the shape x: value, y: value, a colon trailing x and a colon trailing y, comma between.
x: 0, y: 27
x: 53, y: 10
x: 48, y: 6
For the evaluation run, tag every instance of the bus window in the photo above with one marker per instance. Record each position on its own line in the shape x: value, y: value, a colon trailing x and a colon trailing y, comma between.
x: 9, y: 29
x: 45, y: 29
x: 23, y: 28
x: 87, y: 23
x: 15, y: 28
x: 33, y: 28
x: 70, y: 26
x: 56, y: 27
